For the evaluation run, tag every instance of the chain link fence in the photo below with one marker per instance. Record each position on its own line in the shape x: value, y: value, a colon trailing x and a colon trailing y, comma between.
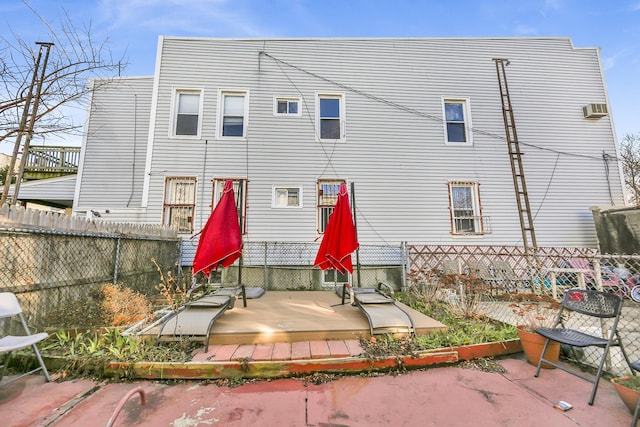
x: 506, y: 278
x: 280, y: 266
x: 56, y: 273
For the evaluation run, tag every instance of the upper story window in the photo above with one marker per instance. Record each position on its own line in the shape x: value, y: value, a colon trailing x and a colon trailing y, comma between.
x: 179, y: 203
x: 286, y: 106
x: 457, y: 121
x: 187, y: 107
x: 233, y: 115
x: 328, y: 190
x: 330, y: 116
x: 466, y: 212
x: 240, y: 196
x: 287, y: 197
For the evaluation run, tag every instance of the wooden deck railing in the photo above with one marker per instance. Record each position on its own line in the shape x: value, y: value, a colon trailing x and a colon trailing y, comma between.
x: 52, y: 159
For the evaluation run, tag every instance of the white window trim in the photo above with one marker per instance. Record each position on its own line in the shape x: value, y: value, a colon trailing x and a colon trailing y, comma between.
x: 286, y: 98
x: 466, y: 101
x: 274, y: 197
x: 343, y: 114
x: 477, y: 208
x: 174, y: 111
x: 220, y: 119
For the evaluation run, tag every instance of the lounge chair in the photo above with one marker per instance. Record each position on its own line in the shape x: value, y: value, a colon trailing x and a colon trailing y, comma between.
x: 451, y: 266
x: 478, y: 269
x: 503, y: 271
x: 196, y: 319
x: 380, y: 308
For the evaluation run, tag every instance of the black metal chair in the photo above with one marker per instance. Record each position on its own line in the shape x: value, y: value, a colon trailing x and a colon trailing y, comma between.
x: 596, y: 304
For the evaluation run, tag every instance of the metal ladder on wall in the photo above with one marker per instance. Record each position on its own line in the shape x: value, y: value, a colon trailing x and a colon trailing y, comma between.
x: 517, y: 170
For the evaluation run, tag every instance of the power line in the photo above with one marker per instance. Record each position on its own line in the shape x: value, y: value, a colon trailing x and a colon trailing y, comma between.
x: 415, y: 111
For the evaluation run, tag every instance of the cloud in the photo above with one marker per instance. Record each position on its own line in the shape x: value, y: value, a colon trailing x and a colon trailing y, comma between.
x: 177, y: 17
x: 610, y: 61
x: 553, y: 4
x: 525, y: 30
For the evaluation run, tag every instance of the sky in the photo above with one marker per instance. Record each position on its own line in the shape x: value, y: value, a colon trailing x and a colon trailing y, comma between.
x: 133, y: 27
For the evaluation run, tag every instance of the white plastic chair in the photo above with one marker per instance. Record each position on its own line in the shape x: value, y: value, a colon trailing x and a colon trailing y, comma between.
x: 10, y: 307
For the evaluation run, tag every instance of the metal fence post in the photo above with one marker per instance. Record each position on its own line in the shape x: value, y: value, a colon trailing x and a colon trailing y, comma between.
x: 405, y: 258
x: 117, y: 261
x: 265, y: 282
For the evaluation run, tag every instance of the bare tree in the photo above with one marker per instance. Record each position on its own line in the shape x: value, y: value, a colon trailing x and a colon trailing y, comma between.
x: 75, y: 56
x: 630, y: 153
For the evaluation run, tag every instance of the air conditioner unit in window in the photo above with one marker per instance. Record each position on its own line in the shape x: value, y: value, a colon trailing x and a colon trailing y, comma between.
x: 595, y: 110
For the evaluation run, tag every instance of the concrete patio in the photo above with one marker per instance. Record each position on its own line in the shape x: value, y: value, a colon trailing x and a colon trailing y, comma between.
x: 442, y: 396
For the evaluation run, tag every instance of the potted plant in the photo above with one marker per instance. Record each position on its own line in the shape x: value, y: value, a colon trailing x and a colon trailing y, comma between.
x: 628, y: 388
x: 535, y: 311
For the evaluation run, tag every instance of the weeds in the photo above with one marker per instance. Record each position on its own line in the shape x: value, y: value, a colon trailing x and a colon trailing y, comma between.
x: 123, y: 306
x: 461, y: 330
x: 172, y: 289
x: 87, y: 351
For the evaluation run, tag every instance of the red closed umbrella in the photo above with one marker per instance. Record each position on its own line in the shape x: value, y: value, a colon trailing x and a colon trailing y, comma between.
x: 340, y: 239
x: 220, y: 240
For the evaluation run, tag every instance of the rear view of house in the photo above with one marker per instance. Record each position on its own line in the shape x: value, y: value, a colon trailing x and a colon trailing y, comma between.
x: 416, y: 125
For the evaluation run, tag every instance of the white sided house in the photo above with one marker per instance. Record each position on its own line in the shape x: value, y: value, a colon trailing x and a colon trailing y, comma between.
x: 415, y: 124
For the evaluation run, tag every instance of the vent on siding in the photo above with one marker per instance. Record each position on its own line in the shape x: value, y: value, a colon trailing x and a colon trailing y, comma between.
x: 595, y: 110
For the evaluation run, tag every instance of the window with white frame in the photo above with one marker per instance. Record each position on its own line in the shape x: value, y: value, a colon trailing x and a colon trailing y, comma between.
x: 187, y: 113
x: 179, y: 203
x: 286, y: 106
x: 327, y: 197
x: 464, y: 205
x: 240, y: 196
x: 233, y: 114
x: 330, y: 116
x: 287, y: 197
x: 457, y: 121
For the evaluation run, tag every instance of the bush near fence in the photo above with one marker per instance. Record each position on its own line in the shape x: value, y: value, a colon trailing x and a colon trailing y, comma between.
x: 53, y: 272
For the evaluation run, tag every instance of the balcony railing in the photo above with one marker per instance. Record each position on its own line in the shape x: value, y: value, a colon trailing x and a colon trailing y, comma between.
x: 52, y: 160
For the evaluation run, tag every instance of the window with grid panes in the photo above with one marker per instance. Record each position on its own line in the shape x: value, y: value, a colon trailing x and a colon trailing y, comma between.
x: 179, y: 203
x: 239, y: 194
x: 327, y: 198
x: 465, y: 208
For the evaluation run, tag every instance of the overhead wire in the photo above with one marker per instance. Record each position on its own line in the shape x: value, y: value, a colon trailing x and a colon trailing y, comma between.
x: 546, y: 191
x: 418, y: 112
x: 441, y: 120
x: 329, y: 157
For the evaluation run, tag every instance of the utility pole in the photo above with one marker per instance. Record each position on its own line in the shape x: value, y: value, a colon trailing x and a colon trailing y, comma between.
x: 27, y: 123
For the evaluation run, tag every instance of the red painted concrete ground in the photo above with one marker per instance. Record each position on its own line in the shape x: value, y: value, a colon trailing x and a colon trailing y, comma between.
x: 443, y: 396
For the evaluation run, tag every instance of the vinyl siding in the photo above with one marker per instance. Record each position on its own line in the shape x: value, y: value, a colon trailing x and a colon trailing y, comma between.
x: 394, y: 150
x: 113, y: 157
